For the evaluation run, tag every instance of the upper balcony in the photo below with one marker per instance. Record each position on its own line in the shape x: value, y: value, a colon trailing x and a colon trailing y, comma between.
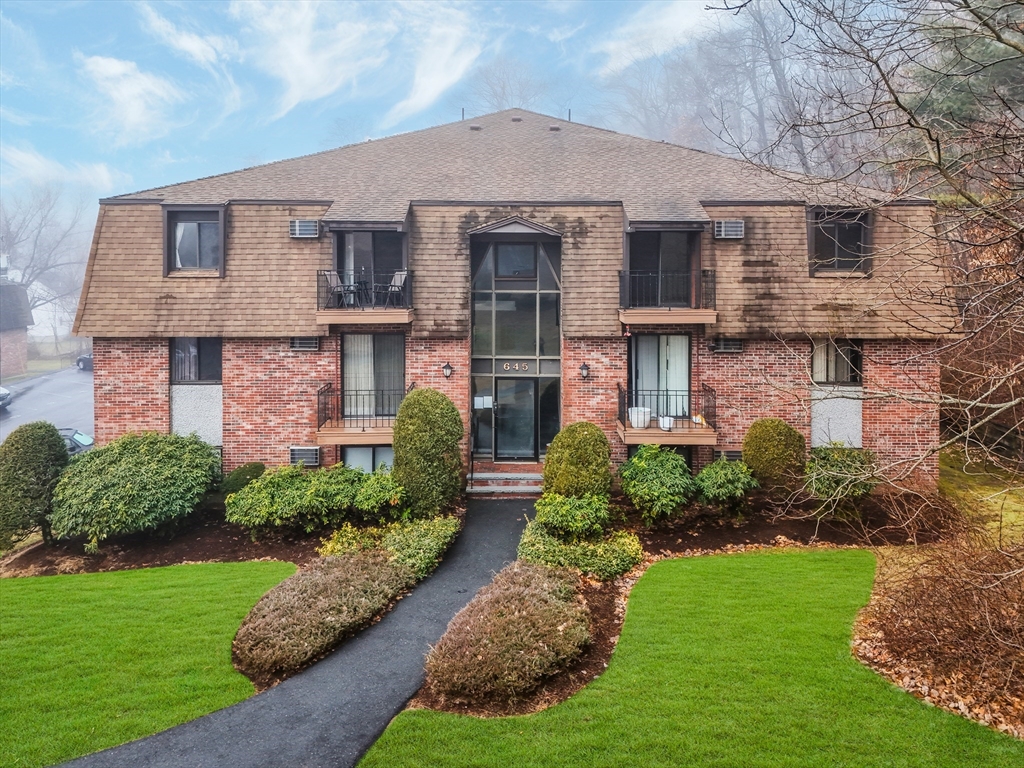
x: 655, y: 298
x: 668, y: 416
x: 363, y: 298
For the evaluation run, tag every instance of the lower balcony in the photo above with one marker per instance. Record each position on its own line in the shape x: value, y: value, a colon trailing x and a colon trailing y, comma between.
x: 356, y: 417
x: 668, y: 416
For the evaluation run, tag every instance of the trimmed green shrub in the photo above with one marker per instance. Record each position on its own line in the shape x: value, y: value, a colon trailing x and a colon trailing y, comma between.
x: 241, y: 476
x: 428, y: 460
x: 417, y: 544
x: 136, y: 483
x: 380, y: 497
x: 307, y: 614
x: 725, y: 483
x: 31, y: 460
x: 578, y: 462
x: 288, y: 496
x: 775, y: 453
x: 657, y: 482
x: 522, y: 627
x: 603, y: 558
x: 837, y: 476
x: 572, y: 518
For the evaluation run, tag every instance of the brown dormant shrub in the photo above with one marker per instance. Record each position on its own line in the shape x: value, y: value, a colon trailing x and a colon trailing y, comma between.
x: 305, y: 616
x: 522, y: 627
x: 959, y: 616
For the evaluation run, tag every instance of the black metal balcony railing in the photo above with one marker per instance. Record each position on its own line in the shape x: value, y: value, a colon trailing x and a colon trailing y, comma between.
x: 357, y: 409
x: 642, y: 408
x: 667, y: 289
x: 341, y: 289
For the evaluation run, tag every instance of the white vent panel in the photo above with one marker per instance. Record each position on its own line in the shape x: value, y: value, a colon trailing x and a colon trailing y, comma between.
x: 304, y: 228
x: 308, y: 457
x: 728, y: 345
x: 729, y: 229
x: 305, y: 343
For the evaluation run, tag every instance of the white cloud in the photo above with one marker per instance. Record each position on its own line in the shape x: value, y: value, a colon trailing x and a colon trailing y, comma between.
x: 211, y: 52
x: 135, y: 105
x: 16, y: 118
x: 20, y: 49
x: 447, y: 49
x: 27, y: 166
x: 654, y: 29
x: 313, y: 49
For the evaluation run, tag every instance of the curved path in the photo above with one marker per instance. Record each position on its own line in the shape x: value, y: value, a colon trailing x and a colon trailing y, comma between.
x: 330, y: 714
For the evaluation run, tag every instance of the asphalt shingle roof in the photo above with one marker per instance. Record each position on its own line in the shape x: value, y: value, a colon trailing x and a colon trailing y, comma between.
x: 508, y: 156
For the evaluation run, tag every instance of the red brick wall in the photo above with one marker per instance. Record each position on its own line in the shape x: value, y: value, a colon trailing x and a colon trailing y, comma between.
x: 131, y: 387
x: 13, y: 352
x: 594, y: 399
x: 424, y: 359
x: 898, y: 429
x: 270, y: 398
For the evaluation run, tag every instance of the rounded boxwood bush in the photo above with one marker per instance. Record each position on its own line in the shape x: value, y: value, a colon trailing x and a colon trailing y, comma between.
x: 604, y: 558
x: 775, y: 453
x: 725, y: 483
x: 136, y: 483
x: 31, y: 460
x: 428, y: 460
x: 573, y: 518
x: 578, y: 462
x: 241, y: 476
x: 657, y: 482
x: 838, y: 475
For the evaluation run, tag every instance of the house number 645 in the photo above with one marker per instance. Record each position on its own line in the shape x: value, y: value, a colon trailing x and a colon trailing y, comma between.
x: 516, y: 366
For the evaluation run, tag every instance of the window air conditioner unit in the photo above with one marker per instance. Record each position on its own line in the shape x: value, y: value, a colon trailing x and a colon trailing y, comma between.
x: 309, y: 457
x: 727, y: 345
x: 304, y: 228
x: 730, y: 229
x: 305, y: 343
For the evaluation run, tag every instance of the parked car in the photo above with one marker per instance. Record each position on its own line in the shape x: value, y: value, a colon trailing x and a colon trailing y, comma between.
x: 77, y: 442
x: 5, y: 398
x: 84, y: 362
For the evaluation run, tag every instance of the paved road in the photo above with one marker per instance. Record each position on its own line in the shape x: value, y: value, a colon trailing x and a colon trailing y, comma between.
x: 63, y: 398
x: 330, y: 714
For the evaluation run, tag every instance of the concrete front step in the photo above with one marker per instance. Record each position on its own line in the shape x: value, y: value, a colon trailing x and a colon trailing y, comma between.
x: 528, y: 490
x: 519, y: 476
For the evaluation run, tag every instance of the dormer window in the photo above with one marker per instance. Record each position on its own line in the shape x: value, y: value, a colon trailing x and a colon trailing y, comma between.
x: 195, y: 240
x: 838, y: 240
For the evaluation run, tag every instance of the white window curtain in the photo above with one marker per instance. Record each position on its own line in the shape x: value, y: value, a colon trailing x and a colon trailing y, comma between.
x: 186, y: 245
x: 675, y: 376
x: 357, y: 375
x: 186, y: 359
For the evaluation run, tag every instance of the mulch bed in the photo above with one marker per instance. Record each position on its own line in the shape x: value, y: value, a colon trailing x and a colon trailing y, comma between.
x: 207, y: 538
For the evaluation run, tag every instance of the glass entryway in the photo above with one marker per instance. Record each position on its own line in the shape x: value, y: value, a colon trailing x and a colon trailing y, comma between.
x: 516, y: 347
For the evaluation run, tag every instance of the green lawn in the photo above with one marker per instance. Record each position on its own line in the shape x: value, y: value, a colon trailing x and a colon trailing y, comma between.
x: 736, y: 660
x: 994, y: 496
x: 94, y: 660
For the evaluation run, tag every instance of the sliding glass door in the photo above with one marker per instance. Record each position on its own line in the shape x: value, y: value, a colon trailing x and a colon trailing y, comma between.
x: 661, y: 374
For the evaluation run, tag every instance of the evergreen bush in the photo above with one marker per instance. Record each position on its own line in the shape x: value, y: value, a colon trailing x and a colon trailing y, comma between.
x: 241, y: 476
x: 380, y: 497
x: 428, y: 459
x: 724, y: 484
x: 138, y: 482
x: 578, y: 462
x: 775, y: 453
x: 837, y: 476
x: 416, y: 544
x: 31, y: 460
x: 572, y: 518
x: 604, y: 558
x: 657, y: 482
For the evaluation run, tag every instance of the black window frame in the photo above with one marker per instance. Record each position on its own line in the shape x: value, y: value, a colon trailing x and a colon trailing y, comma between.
x: 173, y: 214
x: 375, y: 236
x: 200, y: 346
x: 515, y: 276
x: 822, y: 226
x: 854, y: 358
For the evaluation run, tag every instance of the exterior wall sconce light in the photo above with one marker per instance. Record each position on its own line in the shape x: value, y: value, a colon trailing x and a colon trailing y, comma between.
x: 584, y: 371
x: 447, y: 369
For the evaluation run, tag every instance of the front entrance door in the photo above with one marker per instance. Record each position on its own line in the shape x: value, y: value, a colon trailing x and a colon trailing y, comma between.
x: 515, y: 413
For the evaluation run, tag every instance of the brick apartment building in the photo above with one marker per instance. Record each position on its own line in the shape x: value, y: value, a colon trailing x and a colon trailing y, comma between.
x: 539, y: 272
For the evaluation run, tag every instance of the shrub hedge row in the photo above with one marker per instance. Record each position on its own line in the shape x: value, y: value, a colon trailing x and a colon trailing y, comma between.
x: 417, y: 544
x: 604, y: 558
x: 522, y: 627
x: 657, y: 482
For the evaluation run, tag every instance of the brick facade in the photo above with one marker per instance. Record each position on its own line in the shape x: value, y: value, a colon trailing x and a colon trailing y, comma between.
x: 594, y: 399
x: 131, y: 386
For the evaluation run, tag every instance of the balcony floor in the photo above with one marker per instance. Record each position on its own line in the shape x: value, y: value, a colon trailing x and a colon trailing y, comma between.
x: 682, y: 433
x: 354, y: 432
x: 667, y: 316
x: 357, y: 316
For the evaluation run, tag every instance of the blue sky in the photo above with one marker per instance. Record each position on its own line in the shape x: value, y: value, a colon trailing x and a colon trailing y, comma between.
x: 111, y: 97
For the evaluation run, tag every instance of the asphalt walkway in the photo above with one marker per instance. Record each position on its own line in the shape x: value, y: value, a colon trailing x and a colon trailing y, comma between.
x: 330, y: 714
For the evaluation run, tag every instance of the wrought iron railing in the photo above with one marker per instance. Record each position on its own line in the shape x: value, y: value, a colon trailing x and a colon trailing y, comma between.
x: 357, y: 408
x: 341, y: 289
x: 673, y: 409
x: 667, y: 289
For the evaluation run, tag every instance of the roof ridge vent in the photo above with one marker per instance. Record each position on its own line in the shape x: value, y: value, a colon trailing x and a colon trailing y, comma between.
x: 476, y: 127
x: 554, y: 127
